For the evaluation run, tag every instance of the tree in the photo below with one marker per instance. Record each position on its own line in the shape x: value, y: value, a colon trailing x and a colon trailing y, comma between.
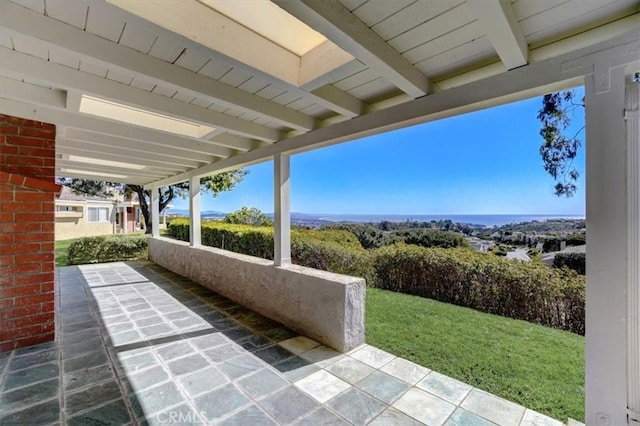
x: 248, y: 216
x: 213, y: 185
x: 559, y: 150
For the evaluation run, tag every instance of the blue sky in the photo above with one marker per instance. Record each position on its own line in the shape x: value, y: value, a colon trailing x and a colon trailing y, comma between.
x: 485, y: 162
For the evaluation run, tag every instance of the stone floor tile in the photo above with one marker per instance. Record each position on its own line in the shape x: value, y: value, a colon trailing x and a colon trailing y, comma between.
x: 296, y: 368
x: 158, y: 398
x: 383, y: 386
x: 298, y: 345
x: 89, y: 359
x: 492, y: 408
x: 424, y: 407
x: 322, y: 356
x: 223, y: 353
x: 147, y: 378
x: 350, y: 370
x: 462, y: 417
x: 181, y: 415
x: 323, y: 417
x: 262, y: 383
x: 144, y: 322
x: 374, y: 357
x: 201, y: 381
x: 208, y: 341
x: 322, y: 386
x: 288, y: 405
x: 393, y: 417
x: 532, y: 418
x: 220, y: 402
x: 405, y: 370
x: 187, y: 364
x: 125, y: 338
x: 86, y: 376
x: 254, y: 342
x: 356, y: 406
x: 157, y: 330
x: 174, y: 350
x: 70, y: 350
x: 26, y: 361
x: 273, y: 354
x: 30, y: 375
x: 115, y: 413
x: 133, y: 364
x: 445, y: 387
x: 25, y: 396
x: 35, y: 348
x: 239, y: 366
x: 252, y: 415
x: 41, y: 414
x: 93, y: 396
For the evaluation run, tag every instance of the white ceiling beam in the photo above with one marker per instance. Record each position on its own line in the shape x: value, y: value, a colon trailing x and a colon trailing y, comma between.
x: 14, y: 89
x: 499, y: 21
x: 236, y: 142
x: 338, y: 24
x: 533, y: 80
x: 119, y: 144
x: 78, y: 82
x: 81, y: 165
x: 106, y: 177
x: 80, y: 149
x: 48, y: 31
x: 24, y: 107
x: 344, y: 103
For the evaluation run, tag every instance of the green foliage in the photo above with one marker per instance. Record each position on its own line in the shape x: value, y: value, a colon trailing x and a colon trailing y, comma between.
x: 577, y: 239
x: 538, y: 367
x: 371, y: 237
x: 522, y: 290
x: 248, y: 216
x: 550, y: 245
x: 528, y: 291
x: 558, y: 149
x: 107, y: 249
x: 574, y: 261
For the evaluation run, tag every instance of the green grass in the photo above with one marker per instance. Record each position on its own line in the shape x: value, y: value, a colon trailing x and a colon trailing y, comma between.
x: 62, y: 252
x: 539, y: 367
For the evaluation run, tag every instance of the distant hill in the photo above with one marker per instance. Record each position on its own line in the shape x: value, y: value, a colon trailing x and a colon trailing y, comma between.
x: 185, y: 212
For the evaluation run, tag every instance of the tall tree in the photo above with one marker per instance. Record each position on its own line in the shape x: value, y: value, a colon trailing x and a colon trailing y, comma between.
x: 559, y: 149
x: 212, y: 185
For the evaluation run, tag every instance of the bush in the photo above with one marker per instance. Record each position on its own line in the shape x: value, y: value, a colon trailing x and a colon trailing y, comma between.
x: 521, y: 290
x: 574, y: 261
x: 577, y: 239
x: 107, y: 249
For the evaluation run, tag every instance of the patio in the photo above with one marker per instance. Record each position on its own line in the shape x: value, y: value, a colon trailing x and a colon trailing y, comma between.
x: 137, y: 344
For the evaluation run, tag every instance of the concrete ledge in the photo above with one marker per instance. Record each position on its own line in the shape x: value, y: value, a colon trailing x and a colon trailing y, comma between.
x: 323, y: 306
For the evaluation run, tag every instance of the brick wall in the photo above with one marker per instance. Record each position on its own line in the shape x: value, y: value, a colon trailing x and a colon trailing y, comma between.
x: 27, y: 192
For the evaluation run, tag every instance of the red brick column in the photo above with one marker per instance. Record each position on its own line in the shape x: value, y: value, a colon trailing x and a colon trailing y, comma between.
x: 27, y: 194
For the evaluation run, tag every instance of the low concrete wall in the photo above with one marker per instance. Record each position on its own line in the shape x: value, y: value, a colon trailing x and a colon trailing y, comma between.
x: 323, y: 306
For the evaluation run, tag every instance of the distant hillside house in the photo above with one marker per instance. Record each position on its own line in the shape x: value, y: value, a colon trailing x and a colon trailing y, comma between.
x: 83, y: 215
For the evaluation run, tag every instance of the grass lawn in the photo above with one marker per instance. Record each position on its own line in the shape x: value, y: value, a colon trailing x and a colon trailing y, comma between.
x: 539, y: 367
x: 62, y: 251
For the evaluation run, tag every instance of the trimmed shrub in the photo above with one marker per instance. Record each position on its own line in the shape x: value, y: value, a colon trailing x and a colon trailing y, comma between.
x: 577, y: 239
x: 521, y: 290
x: 574, y: 261
x: 107, y: 249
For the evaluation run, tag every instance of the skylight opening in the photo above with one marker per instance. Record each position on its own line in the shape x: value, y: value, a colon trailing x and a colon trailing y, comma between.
x: 271, y: 22
x: 100, y: 162
x: 91, y: 173
x: 140, y: 117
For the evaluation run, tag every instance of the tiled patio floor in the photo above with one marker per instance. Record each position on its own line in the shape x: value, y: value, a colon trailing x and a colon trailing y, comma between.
x: 138, y: 344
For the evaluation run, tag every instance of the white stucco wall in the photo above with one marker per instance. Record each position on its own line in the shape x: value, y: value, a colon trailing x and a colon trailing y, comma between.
x: 323, y: 306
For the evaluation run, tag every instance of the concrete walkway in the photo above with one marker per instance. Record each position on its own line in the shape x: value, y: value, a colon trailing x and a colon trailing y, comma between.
x: 137, y: 344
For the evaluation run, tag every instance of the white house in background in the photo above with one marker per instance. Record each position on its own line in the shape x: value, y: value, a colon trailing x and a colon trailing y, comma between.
x: 84, y: 215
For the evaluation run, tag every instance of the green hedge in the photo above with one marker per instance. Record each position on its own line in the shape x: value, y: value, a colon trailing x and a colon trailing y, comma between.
x: 574, y: 261
x: 107, y: 249
x: 524, y: 290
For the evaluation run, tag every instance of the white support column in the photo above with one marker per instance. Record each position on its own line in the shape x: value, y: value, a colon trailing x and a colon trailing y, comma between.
x: 125, y: 223
x: 632, y: 115
x: 194, y: 212
x: 607, y: 248
x: 155, y: 212
x: 282, y: 210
